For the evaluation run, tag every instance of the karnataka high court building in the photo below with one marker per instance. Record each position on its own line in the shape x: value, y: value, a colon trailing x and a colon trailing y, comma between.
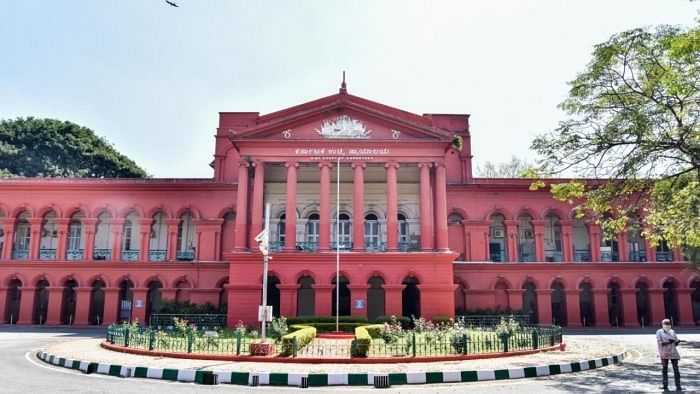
x: 415, y: 231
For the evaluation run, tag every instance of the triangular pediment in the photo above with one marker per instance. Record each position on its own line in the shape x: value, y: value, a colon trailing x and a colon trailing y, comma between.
x: 342, y: 117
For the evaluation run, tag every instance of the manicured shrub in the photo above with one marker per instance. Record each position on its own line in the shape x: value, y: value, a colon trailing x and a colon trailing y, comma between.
x: 361, y: 343
x: 439, y: 320
x: 374, y: 330
x: 325, y: 319
x: 303, y: 334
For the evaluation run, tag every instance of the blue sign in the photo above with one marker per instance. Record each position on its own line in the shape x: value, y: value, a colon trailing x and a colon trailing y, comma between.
x: 359, y: 304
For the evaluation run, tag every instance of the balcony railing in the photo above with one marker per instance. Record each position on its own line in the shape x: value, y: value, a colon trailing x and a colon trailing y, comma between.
x: 552, y: 256
x: 156, y: 255
x: 497, y: 257
x: 130, y: 255
x: 276, y: 246
x: 307, y: 246
x: 47, y: 254
x: 344, y: 246
x: 102, y: 254
x: 638, y: 256
x: 609, y: 256
x: 583, y: 255
x: 185, y: 255
x: 20, y: 254
x: 411, y: 246
x: 375, y: 246
x: 73, y: 255
x: 664, y: 255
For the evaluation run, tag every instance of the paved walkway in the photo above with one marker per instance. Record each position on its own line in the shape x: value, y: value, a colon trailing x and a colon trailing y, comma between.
x: 576, y: 350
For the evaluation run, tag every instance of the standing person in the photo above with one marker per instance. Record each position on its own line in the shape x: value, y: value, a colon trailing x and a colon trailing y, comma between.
x: 667, y: 340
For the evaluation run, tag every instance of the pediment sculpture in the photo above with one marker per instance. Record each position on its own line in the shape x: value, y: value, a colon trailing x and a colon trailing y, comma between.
x: 343, y: 127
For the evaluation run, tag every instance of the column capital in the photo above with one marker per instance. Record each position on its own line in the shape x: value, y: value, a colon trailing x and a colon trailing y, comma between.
x: 62, y: 221
x: 425, y: 164
x: 325, y: 164
x: 258, y: 163
x: 439, y: 164
x: 116, y: 222
x: 538, y: 222
x: 567, y: 222
x: 35, y: 221
x: 291, y: 164
x: 145, y: 223
x: 89, y: 221
x: 172, y: 222
x: 360, y: 164
x: 511, y: 222
x: 243, y: 163
x: 391, y: 164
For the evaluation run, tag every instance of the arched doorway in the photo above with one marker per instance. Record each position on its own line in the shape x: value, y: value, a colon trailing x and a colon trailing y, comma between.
x: 530, y: 301
x: 559, y: 313
x: 694, y: 300
x: 182, y: 291
x: 68, y: 300
x: 41, y: 302
x: 344, y: 300
x: 615, y: 313
x: 273, y: 295
x: 154, y: 298
x: 671, y: 302
x: 126, y: 297
x: 586, y: 304
x: 97, y: 302
x: 460, y: 297
x: 643, y: 304
x: 375, y: 298
x: 501, y: 296
x: 410, y: 297
x: 306, y: 297
x: 13, y: 301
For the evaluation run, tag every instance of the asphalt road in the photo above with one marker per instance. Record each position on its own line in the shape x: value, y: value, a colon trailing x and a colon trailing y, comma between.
x: 21, y: 372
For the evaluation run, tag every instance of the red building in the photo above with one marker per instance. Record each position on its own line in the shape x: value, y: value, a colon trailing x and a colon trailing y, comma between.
x: 418, y: 233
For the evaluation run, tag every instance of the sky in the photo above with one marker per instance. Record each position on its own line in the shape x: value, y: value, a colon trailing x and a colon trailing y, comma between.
x: 151, y: 78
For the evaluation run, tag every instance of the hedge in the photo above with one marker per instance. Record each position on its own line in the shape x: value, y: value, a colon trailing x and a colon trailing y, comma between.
x: 374, y: 330
x: 325, y: 319
x: 361, y: 343
x: 443, y: 320
x: 303, y: 334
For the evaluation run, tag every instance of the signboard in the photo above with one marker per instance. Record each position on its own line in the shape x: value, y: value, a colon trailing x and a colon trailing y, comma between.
x: 138, y: 303
x: 265, y: 314
x: 359, y: 304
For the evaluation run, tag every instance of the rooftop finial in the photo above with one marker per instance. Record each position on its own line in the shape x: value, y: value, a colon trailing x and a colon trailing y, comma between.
x: 343, y: 85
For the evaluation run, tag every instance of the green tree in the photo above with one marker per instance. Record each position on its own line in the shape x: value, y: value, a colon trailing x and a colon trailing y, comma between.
x: 514, y: 168
x: 634, y: 125
x: 50, y: 148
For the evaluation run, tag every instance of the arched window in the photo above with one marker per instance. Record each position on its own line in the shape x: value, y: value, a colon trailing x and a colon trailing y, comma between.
x: 526, y: 239
x: 552, y: 239
x: 103, y: 237
x: 372, y: 242
x: 498, y: 250
x: 636, y: 246
x: 131, y: 238
x: 76, y: 241
x: 343, y: 230
x: 581, y: 241
x: 158, y: 244
x: 312, y: 228
x: 663, y: 251
x: 20, y: 249
x: 49, y: 237
x: 185, y: 238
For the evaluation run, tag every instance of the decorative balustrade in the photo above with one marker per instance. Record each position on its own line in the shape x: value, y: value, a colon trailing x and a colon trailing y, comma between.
x: 130, y: 255
x: 307, y: 246
x: 20, y: 254
x: 102, y: 254
x: 638, y: 256
x: 344, y: 246
x: 185, y: 255
x: 497, y: 257
x: 664, y: 256
x: 411, y: 246
x: 276, y: 246
x: 552, y: 256
x: 607, y: 257
x: 47, y: 254
x: 375, y: 246
x: 583, y: 255
x: 156, y: 255
x: 73, y: 255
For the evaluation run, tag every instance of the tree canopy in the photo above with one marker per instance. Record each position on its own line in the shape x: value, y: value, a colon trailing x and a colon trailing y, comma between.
x: 634, y: 123
x: 514, y: 168
x: 51, y: 148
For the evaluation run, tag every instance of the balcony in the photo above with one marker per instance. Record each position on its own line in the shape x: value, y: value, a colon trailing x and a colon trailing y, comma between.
x: 276, y: 246
x: 553, y: 256
x: 102, y: 254
x: 607, y: 257
x: 20, y: 254
x: 582, y: 255
x: 186, y: 255
x: 307, y: 247
x: 74, y: 255
x: 411, y: 246
x: 638, y: 256
x: 344, y: 246
x: 375, y: 246
x: 664, y: 256
x: 497, y: 257
x: 156, y: 255
x: 47, y: 254
x: 130, y: 255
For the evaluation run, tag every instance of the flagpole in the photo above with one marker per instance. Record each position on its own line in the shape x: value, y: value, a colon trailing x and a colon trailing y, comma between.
x: 337, y: 249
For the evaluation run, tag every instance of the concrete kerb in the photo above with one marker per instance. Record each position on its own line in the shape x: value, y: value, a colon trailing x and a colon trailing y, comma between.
x: 327, y: 379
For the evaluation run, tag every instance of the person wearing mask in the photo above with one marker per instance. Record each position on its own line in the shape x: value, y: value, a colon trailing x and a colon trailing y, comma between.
x: 667, y: 340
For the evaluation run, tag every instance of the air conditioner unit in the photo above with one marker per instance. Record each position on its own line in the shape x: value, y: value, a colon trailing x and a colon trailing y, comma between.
x: 497, y: 233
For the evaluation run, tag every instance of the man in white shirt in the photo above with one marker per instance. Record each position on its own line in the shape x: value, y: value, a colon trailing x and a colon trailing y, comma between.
x: 667, y: 340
